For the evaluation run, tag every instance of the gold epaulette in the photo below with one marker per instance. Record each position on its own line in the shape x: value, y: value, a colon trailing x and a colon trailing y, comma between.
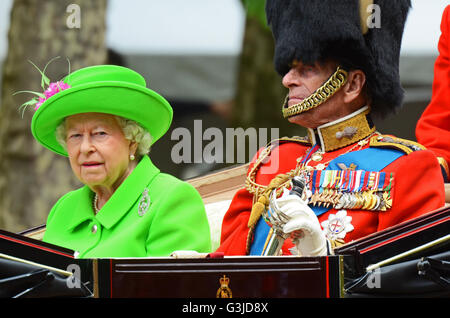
x: 302, y: 140
x: 404, y: 145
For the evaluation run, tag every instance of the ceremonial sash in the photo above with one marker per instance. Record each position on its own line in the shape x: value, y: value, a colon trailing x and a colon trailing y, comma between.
x: 364, y: 162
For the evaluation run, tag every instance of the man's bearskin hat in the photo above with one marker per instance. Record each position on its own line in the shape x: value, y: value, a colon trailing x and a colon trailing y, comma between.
x: 345, y: 31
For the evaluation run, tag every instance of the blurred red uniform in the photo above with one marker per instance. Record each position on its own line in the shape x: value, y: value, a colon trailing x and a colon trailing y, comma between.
x: 433, y: 128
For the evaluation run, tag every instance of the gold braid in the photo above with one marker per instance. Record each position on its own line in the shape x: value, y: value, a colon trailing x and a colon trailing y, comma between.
x: 261, y: 193
x: 262, y: 203
x: 322, y: 94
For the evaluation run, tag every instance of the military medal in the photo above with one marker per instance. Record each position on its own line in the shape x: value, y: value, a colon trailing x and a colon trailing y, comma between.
x: 387, y: 201
x: 375, y: 203
x: 367, y: 202
x: 343, y: 202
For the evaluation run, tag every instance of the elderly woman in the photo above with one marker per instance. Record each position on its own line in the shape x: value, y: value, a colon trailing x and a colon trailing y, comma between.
x: 105, y: 120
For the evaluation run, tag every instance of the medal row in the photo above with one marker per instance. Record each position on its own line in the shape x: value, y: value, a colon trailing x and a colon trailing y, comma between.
x: 348, y: 189
x: 367, y: 200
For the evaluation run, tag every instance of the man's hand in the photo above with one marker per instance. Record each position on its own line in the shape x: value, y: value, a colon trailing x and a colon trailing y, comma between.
x: 302, y: 225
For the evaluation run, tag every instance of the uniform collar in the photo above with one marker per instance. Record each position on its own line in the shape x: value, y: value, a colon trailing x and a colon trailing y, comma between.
x: 122, y: 199
x: 343, y: 131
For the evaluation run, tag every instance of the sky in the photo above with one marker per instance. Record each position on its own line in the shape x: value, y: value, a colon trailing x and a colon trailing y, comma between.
x: 211, y: 27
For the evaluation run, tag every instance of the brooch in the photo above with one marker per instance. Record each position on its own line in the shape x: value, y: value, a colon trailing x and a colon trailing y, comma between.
x: 144, y: 204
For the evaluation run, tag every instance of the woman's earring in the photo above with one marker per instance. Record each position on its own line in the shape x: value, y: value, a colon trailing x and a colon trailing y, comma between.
x: 132, y: 157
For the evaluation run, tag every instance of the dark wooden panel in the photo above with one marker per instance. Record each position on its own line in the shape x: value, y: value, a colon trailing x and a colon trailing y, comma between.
x: 249, y: 277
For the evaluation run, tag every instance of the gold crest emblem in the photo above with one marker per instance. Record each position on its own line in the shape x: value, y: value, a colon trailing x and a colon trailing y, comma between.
x: 224, y: 291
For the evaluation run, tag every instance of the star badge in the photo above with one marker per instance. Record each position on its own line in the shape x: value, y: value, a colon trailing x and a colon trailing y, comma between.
x: 338, y: 225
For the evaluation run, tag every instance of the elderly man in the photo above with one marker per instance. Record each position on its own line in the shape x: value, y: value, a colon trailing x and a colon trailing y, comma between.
x: 339, y: 72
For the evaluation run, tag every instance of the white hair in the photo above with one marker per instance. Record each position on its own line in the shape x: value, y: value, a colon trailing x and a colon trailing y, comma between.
x: 131, y: 130
x: 135, y: 133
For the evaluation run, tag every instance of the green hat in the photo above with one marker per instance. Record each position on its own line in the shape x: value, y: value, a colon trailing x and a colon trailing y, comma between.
x: 106, y: 89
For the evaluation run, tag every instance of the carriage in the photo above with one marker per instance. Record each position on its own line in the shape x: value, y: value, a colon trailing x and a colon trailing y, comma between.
x: 411, y: 259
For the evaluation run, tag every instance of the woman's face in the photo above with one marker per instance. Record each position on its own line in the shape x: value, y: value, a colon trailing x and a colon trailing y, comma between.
x: 99, y: 153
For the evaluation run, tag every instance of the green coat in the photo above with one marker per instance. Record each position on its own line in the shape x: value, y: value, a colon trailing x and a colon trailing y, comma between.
x: 175, y: 219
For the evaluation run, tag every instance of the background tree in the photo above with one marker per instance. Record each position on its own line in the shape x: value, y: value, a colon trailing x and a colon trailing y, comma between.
x: 32, y: 178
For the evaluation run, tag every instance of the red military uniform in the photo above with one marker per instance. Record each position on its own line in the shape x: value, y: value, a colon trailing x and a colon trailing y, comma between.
x: 416, y: 186
x: 433, y: 128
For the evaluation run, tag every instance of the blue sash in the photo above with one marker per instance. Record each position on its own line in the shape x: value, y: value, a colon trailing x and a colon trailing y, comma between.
x: 369, y: 159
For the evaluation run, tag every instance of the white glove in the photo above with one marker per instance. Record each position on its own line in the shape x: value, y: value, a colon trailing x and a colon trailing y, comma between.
x: 187, y: 254
x: 303, y: 225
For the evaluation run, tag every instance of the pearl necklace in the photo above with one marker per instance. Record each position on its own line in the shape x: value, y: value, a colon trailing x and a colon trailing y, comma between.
x: 95, y: 204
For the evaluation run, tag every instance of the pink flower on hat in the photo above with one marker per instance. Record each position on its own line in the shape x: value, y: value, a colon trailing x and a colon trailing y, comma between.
x: 39, y: 103
x: 52, y: 89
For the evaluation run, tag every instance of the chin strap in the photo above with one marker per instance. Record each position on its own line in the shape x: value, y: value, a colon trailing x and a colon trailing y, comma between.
x: 322, y: 94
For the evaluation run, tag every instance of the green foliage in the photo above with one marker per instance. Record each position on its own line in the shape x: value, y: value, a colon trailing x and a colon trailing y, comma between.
x: 256, y: 9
